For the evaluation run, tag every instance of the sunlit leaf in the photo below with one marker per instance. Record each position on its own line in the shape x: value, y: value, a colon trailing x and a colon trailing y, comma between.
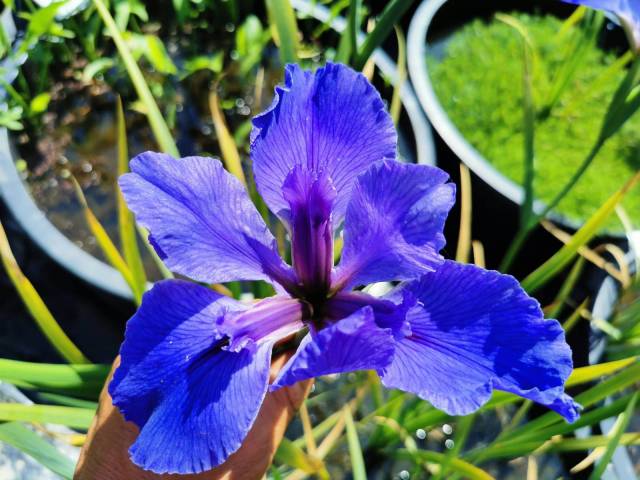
x: 455, y: 464
x: 228, y: 146
x: 158, y: 125
x: 40, y: 103
x: 290, y: 454
x: 390, y: 16
x: 44, y: 453
x: 355, y: 451
x: 284, y: 28
x: 104, y: 242
x: 37, y: 307
x: 88, y: 378
x: 126, y: 221
x: 70, y: 416
x: 615, y: 436
x: 557, y: 262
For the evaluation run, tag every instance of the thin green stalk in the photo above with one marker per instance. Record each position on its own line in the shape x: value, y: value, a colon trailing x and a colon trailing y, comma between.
x: 36, y: 306
x: 348, y: 47
x: 158, y: 125
x: 355, y: 452
x: 567, y: 287
x: 284, y: 25
x: 529, y: 124
x: 616, y: 434
x: 126, y: 222
x: 390, y: 16
x: 401, y: 68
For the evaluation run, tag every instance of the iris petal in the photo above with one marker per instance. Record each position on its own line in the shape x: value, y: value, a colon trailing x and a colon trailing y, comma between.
x: 475, y: 330
x: 180, y: 387
x: 394, y: 224
x: 353, y: 343
x: 332, y: 121
x: 202, y: 220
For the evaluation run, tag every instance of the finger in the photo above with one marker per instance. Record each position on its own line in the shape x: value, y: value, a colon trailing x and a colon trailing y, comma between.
x: 105, y: 453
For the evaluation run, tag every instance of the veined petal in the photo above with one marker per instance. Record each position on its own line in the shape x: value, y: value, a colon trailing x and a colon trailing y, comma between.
x: 388, y: 313
x: 394, y: 223
x: 332, y: 121
x: 353, y: 343
x: 202, y: 220
x: 270, y: 319
x: 474, y: 330
x: 310, y: 199
x: 177, y: 383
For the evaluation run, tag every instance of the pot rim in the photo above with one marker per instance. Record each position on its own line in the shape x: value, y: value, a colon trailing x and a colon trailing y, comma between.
x: 82, y: 264
x: 419, y: 73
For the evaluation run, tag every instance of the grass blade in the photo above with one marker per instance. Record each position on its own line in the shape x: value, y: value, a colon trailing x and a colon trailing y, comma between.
x: 464, y: 232
x: 70, y: 416
x: 591, y: 372
x: 289, y: 453
x: 567, y: 288
x: 228, y: 146
x: 158, y: 125
x: 390, y: 16
x: 88, y: 377
x: 616, y: 434
x: 557, y: 262
x: 355, y: 451
x: 401, y: 66
x: 284, y: 28
x: 126, y: 222
x: 455, y: 464
x: 348, y: 45
x: 25, y: 440
x: 36, y: 307
x: 104, y: 242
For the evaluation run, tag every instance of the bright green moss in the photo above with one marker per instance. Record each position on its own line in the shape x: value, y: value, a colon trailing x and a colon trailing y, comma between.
x: 479, y: 83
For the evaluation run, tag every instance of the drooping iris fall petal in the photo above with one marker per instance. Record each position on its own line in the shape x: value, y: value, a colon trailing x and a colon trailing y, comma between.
x: 474, y: 330
x: 353, y: 343
x: 179, y: 385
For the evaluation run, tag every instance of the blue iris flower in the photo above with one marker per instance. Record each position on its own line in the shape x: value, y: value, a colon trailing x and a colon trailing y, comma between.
x: 195, y: 364
x: 627, y: 11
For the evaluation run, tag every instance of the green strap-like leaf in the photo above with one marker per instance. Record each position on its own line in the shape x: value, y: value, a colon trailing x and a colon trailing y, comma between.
x: 69, y: 416
x: 126, y: 222
x: 355, y: 452
x: 36, y: 306
x: 23, y: 439
x: 557, y: 262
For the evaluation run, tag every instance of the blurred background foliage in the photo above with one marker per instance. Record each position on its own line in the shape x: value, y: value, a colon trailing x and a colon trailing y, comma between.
x: 185, y: 77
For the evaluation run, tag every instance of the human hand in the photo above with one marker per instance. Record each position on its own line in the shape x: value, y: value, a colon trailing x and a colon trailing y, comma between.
x: 105, y: 456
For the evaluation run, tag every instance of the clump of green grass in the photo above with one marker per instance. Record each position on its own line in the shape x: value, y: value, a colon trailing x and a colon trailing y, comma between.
x: 479, y: 83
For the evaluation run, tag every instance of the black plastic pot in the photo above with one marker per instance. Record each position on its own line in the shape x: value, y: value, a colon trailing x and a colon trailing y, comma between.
x: 433, y: 20
x: 416, y: 145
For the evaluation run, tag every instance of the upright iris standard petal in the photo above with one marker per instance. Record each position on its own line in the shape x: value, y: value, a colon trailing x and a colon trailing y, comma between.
x: 179, y: 385
x: 330, y: 122
x: 310, y: 197
x: 394, y: 222
x: 202, y: 220
x: 474, y: 330
x: 627, y: 11
x: 353, y: 343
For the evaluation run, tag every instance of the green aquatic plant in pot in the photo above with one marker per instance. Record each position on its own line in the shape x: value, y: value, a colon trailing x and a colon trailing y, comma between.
x: 538, y: 102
